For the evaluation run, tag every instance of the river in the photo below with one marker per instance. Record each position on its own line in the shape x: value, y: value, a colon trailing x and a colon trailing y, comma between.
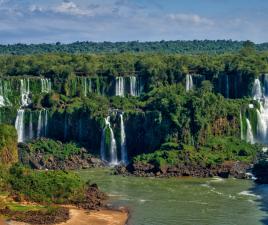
x: 185, y: 201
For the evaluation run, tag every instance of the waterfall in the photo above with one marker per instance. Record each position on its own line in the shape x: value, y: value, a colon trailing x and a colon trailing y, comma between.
x: 189, y: 82
x: 31, y: 135
x: 261, y: 125
x: 45, y: 85
x: 42, y: 123
x: 19, y: 124
x: 46, y: 123
x: 120, y: 86
x: 102, y: 150
x: 25, y: 92
x: 39, y: 125
x: 87, y: 86
x: 241, y: 126
x: 112, y: 144
x: 123, y: 140
x: 227, y: 87
x: 133, y: 86
x: 250, y: 137
x: 2, y: 99
x: 257, y: 90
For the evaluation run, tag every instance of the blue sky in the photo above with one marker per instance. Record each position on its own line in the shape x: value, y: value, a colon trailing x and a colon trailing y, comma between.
x: 39, y: 21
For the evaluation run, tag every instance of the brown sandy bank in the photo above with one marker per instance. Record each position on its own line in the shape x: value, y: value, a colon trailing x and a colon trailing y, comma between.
x: 82, y: 217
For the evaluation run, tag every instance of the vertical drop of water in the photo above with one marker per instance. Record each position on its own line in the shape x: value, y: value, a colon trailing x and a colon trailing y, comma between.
x: 250, y: 137
x: 133, y: 86
x: 123, y: 140
x: 227, y: 86
x: 31, y: 135
x: 46, y: 123
x: 39, y: 125
x: 2, y: 94
x: 241, y: 126
x: 19, y: 125
x: 257, y: 90
x: 189, y: 82
x: 119, y: 86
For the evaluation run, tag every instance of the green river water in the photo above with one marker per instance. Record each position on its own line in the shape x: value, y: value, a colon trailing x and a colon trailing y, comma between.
x: 185, y: 201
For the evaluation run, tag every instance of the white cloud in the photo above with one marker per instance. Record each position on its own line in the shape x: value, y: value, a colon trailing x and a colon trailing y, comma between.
x: 69, y: 7
x: 191, y: 19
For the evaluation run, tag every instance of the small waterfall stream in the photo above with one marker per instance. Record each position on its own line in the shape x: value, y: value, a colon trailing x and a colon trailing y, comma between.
x: 250, y: 137
x: 19, y: 125
x: 120, y: 86
x: 113, y: 160
x: 259, y: 94
x: 189, y: 82
x: 87, y: 86
x: 124, y: 157
x: 25, y: 92
x: 3, y: 94
x: 227, y: 86
x: 31, y: 132
x: 45, y: 85
x: 133, y: 86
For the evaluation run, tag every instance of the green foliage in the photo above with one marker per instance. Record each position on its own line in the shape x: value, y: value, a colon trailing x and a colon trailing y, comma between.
x: 8, y: 145
x: 54, y: 148
x: 214, y: 152
x: 45, y: 186
x: 189, y: 47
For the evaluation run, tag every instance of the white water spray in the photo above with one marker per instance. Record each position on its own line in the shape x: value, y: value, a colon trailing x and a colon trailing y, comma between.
x: 124, y: 157
x: 120, y: 86
x: 19, y: 124
x: 189, y: 82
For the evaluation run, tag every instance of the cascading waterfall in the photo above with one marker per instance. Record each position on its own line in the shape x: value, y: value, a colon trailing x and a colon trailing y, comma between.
x: 227, y: 86
x: 19, y: 124
x: 87, y: 86
x: 102, y: 150
x: 45, y: 85
x: 250, y: 137
x: 241, y: 126
x: 39, y: 125
x: 25, y: 101
x: 257, y: 90
x: 42, y: 123
x: 25, y: 92
x: 189, y: 82
x: 120, y: 86
x: 112, y: 144
x: 261, y: 96
x: 133, y: 86
x: 3, y: 95
x: 31, y: 133
x: 123, y: 140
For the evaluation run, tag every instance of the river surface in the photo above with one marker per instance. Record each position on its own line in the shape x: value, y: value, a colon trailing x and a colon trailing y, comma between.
x: 185, y: 201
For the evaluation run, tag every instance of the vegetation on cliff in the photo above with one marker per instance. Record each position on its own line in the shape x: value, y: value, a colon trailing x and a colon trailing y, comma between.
x: 8, y: 145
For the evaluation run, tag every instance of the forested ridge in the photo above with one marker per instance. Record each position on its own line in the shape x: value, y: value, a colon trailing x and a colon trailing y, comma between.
x: 184, y: 47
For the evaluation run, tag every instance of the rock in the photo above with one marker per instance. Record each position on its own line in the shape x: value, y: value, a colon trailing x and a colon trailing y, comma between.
x: 40, y: 160
x: 224, y: 170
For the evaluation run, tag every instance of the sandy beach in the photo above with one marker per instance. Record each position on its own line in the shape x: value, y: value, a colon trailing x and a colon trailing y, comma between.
x: 82, y: 217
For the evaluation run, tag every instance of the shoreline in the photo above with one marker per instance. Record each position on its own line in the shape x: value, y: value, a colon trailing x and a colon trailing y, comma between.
x: 94, y: 217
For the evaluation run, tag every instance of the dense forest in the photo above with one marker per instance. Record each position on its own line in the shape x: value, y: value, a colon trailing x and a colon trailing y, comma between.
x: 183, y: 47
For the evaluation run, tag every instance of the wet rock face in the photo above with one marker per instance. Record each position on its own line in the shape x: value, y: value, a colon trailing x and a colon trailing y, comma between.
x: 225, y: 170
